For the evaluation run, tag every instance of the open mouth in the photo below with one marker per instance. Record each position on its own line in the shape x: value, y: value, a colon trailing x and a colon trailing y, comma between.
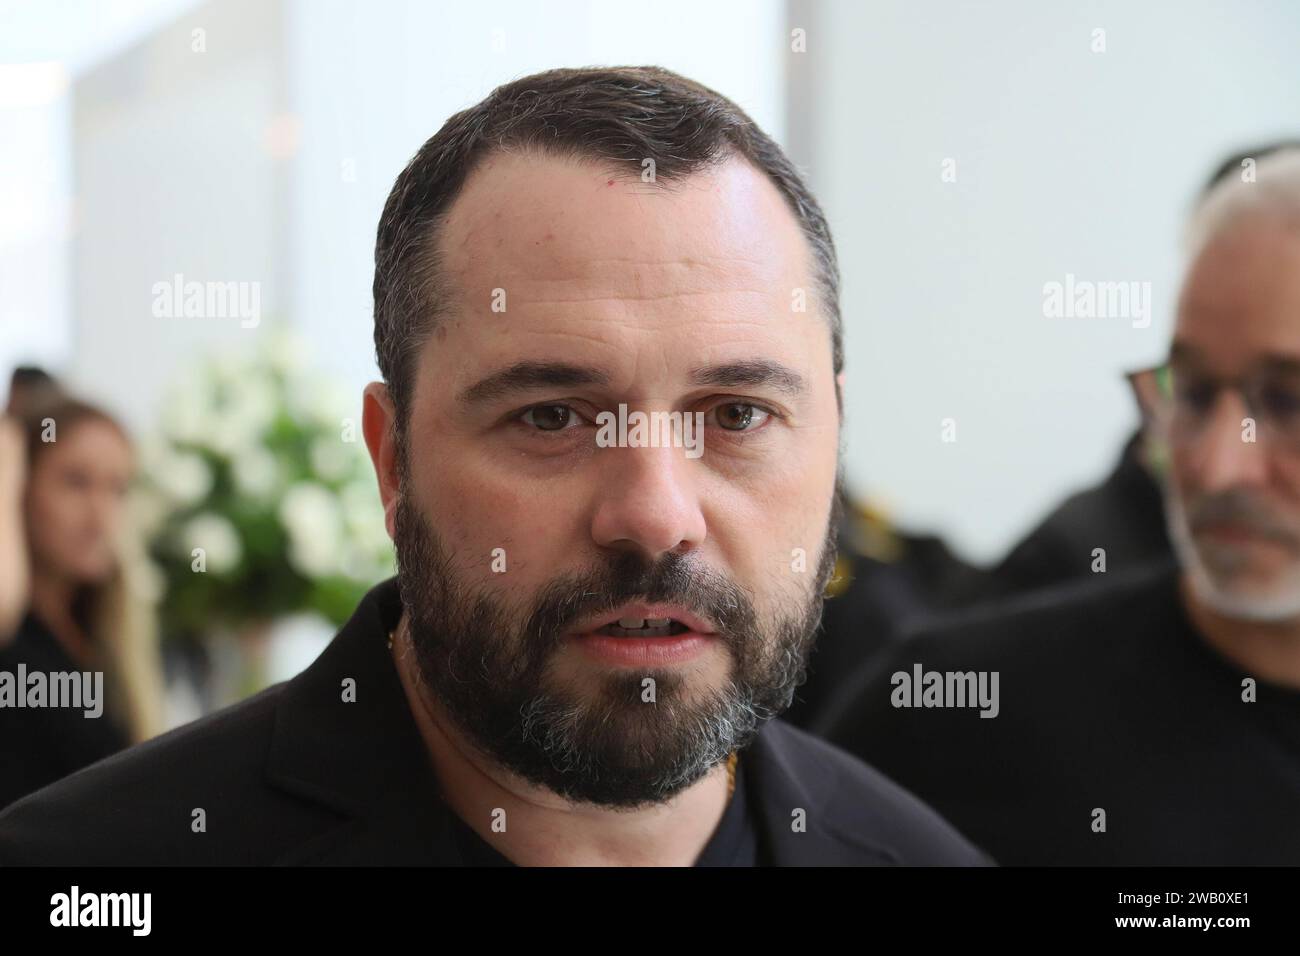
x: 643, y: 627
x: 644, y: 635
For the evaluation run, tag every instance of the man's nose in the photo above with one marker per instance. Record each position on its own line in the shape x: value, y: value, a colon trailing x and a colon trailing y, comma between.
x: 648, y: 501
x: 1224, y: 458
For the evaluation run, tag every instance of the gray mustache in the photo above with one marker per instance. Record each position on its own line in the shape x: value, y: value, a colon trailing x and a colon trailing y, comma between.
x: 1243, y: 511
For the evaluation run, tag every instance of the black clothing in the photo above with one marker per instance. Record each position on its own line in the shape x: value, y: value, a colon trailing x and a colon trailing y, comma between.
x: 734, y: 842
x: 302, y: 774
x: 39, y: 745
x: 1124, y: 515
x: 885, y: 583
x: 893, y: 585
x: 1110, y: 700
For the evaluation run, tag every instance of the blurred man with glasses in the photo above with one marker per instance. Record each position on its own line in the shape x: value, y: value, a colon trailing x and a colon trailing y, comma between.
x: 1150, y: 718
x: 1125, y: 507
x: 1234, y: 443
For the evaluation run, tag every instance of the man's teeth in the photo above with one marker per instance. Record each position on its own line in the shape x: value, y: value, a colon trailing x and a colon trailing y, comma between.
x: 644, y: 627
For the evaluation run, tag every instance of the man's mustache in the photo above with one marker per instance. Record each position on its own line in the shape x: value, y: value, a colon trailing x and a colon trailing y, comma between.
x: 1241, y: 510
x: 573, y: 599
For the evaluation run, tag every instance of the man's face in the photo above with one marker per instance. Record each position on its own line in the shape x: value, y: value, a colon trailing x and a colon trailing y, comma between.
x: 1234, y: 503
x: 521, y: 537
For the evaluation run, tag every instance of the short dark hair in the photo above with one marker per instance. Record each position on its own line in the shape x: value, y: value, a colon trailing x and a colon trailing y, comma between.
x: 618, y: 116
x: 29, y: 385
x: 1232, y: 164
x: 28, y: 376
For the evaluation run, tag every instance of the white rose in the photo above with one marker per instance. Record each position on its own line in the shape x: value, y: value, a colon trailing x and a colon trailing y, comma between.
x: 184, y: 477
x: 332, y: 458
x: 240, y: 422
x: 218, y: 539
x: 363, y: 517
x: 254, y: 401
x: 256, y: 472
x: 310, y: 515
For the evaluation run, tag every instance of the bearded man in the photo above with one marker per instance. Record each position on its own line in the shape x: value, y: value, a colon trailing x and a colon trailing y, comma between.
x: 584, y: 655
x: 1149, y: 716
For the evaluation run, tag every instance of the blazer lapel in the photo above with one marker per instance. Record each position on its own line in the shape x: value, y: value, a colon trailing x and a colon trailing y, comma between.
x: 361, y: 757
x: 795, y: 788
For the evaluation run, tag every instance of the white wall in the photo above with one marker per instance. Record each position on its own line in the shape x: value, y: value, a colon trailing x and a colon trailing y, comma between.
x: 371, y: 82
x: 175, y: 172
x: 36, y: 217
x: 1068, y: 161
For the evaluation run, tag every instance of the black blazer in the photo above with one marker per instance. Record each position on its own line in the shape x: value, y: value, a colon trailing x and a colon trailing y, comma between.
x: 295, y: 775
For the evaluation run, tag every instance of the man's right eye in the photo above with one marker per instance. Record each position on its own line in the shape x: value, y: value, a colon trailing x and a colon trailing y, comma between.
x: 548, y: 418
x: 1196, y: 396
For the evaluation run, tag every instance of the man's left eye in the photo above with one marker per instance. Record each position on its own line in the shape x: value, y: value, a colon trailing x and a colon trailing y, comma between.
x: 739, y: 416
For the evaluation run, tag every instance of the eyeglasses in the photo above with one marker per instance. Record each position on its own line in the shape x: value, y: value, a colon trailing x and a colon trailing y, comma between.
x: 1177, y: 401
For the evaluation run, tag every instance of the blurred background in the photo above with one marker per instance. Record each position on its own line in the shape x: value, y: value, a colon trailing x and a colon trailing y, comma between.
x: 967, y: 155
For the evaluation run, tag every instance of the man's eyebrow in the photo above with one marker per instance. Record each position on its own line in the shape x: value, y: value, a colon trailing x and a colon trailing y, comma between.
x: 1274, y: 362
x: 1282, y: 363
x: 528, y: 375
x: 751, y: 374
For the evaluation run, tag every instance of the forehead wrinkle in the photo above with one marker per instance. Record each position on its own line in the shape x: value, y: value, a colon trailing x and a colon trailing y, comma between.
x: 645, y: 283
x: 593, y: 285
x: 648, y: 298
x: 705, y: 276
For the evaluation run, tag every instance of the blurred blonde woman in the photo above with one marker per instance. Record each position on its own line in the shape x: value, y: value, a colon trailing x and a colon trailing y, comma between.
x: 84, y: 611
